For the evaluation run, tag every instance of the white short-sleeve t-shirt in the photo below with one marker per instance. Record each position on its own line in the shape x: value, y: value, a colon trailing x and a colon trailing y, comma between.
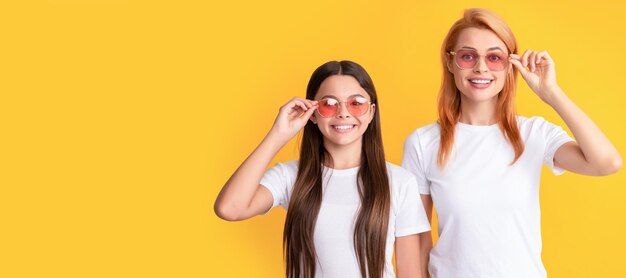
x: 488, y: 209
x: 334, y: 229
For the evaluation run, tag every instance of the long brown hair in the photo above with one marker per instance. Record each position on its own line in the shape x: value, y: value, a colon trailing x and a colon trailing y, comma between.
x: 370, y: 229
x: 449, y: 106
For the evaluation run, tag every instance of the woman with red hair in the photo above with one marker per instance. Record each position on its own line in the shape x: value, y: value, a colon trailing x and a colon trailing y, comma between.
x: 480, y: 163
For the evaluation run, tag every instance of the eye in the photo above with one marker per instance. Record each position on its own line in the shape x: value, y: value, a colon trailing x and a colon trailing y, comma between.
x: 494, y: 58
x: 358, y: 101
x: 330, y: 102
x: 468, y: 56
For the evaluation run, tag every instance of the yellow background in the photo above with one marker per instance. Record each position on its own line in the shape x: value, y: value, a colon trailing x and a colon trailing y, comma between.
x: 120, y: 121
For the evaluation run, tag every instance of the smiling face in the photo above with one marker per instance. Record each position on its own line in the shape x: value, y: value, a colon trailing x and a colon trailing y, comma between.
x: 480, y: 82
x: 343, y: 128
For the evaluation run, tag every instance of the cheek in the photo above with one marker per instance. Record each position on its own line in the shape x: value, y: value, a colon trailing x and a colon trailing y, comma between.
x: 321, y: 124
x: 500, y: 80
x: 365, y: 121
x: 459, y: 80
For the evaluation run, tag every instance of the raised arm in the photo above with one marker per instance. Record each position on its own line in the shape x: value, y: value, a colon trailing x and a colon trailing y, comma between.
x: 242, y: 196
x: 592, y: 153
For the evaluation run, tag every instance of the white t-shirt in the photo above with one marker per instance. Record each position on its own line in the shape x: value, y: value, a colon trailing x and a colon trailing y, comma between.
x: 334, y: 229
x: 488, y: 210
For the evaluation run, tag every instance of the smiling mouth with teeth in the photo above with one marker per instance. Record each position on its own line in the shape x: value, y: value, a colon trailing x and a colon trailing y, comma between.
x: 480, y: 81
x: 343, y: 127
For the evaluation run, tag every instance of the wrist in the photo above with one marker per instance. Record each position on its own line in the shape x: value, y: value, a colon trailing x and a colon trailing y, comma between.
x: 558, y: 100
x: 276, y: 138
x: 554, y: 95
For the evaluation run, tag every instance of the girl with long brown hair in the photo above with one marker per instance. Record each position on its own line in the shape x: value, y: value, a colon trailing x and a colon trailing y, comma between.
x: 480, y: 163
x: 346, y: 206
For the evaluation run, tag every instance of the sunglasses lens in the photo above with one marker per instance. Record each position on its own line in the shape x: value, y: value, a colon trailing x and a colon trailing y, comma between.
x: 496, y: 61
x: 466, y: 59
x: 357, y: 106
x: 327, y: 107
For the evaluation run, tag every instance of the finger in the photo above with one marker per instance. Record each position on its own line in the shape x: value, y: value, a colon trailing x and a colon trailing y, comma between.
x: 291, y: 107
x: 532, y: 63
x: 294, y: 112
x: 539, y: 60
x: 307, y: 115
x: 548, y: 57
x: 310, y: 103
x: 514, y: 56
x: 524, y: 58
x: 306, y: 102
x: 310, y: 106
x: 518, y: 65
x: 288, y: 105
x: 543, y: 58
x: 301, y: 104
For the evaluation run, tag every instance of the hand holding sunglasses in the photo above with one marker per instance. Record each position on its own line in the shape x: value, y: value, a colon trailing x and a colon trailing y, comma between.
x: 537, y: 69
x: 292, y: 117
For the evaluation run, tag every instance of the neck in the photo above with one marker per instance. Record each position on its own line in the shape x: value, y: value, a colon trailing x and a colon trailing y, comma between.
x: 479, y: 113
x: 344, y: 157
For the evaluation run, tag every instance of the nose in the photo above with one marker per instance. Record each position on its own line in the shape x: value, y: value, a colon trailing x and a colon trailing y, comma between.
x: 481, y: 65
x: 342, y: 110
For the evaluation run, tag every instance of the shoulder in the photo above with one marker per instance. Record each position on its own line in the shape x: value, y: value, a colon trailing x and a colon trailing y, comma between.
x: 431, y: 130
x: 291, y: 164
x: 402, y: 183
x: 424, y: 135
x: 534, y: 123
x: 398, y: 176
x: 287, y: 168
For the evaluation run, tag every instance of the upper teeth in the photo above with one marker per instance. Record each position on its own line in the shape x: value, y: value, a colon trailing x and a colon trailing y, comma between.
x: 343, y: 126
x: 480, y: 81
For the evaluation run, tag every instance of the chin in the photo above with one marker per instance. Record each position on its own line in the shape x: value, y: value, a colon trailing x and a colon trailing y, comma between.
x: 342, y: 141
x: 479, y: 96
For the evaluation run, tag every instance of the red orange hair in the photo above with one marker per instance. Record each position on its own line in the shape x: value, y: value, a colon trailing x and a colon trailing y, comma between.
x: 449, y: 106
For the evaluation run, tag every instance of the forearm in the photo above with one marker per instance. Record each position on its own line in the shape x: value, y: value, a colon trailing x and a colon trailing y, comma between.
x: 426, y: 244
x: 407, y: 257
x: 238, y: 192
x: 598, y: 151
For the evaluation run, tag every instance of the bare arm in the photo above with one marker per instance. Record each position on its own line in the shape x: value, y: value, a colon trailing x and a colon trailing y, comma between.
x: 426, y: 239
x: 592, y: 153
x: 242, y: 196
x: 407, y: 256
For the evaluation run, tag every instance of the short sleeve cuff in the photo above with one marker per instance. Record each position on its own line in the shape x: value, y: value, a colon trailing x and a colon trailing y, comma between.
x: 550, y: 156
x: 274, y: 198
x: 412, y: 230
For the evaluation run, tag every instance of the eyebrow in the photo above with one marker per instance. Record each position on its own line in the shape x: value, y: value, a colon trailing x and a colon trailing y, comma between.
x: 489, y: 49
x: 354, y: 95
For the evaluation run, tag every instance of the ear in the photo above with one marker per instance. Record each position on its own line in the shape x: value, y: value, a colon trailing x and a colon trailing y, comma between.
x: 372, y: 111
x: 448, y: 62
x: 313, y: 119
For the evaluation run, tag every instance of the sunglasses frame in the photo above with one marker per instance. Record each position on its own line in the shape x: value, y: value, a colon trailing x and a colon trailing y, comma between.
x: 484, y: 57
x: 369, y: 106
